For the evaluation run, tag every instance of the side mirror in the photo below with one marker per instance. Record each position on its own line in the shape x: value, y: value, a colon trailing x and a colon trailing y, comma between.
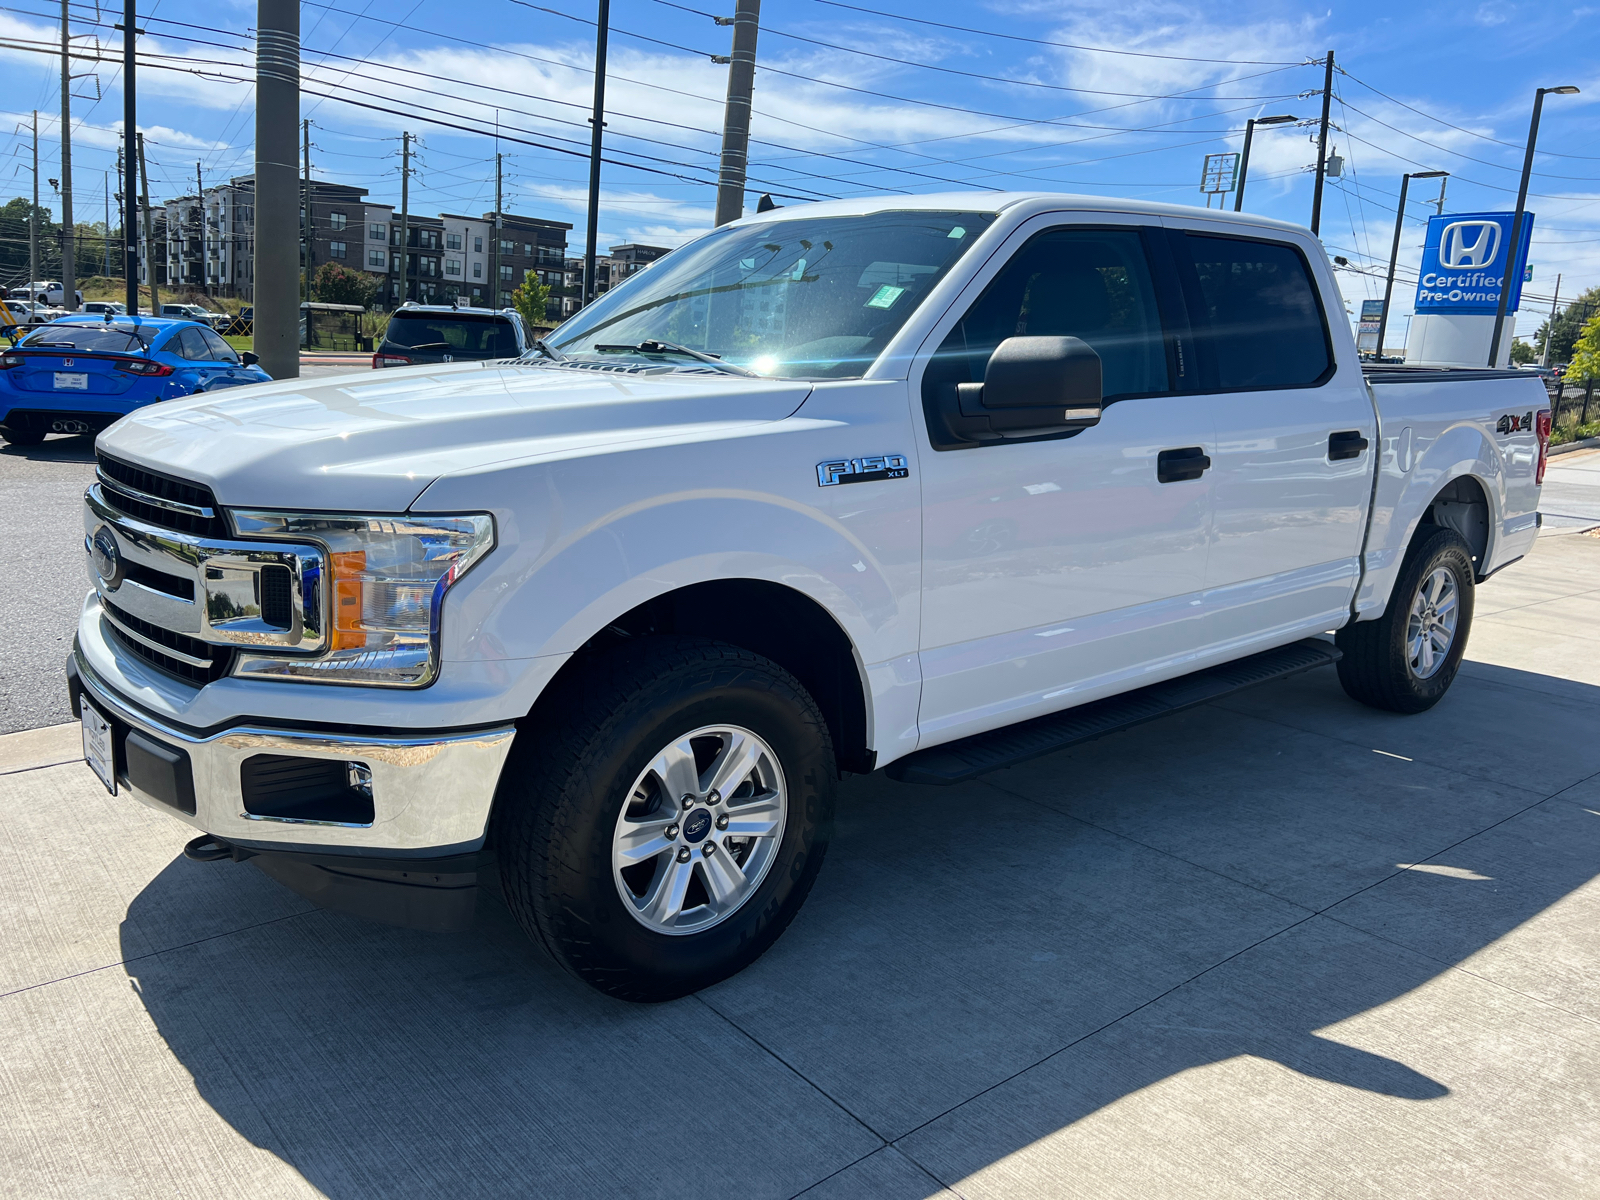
x: 249, y: 358
x: 1032, y: 387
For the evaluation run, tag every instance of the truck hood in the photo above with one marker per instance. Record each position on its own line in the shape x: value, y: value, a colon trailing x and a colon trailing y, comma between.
x: 375, y: 441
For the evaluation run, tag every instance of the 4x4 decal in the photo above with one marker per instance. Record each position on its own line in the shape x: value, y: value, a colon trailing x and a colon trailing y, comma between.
x: 1511, y: 423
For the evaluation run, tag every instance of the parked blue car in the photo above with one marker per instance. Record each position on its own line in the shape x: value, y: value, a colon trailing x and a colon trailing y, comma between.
x: 80, y: 373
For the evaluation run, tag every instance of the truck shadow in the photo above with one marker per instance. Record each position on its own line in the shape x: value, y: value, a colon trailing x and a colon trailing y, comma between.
x: 1014, y: 954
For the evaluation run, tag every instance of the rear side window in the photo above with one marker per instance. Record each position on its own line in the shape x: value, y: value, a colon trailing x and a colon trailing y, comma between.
x: 216, y: 349
x: 1266, y: 328
x: 191, y: 345
x: 1092, y: 284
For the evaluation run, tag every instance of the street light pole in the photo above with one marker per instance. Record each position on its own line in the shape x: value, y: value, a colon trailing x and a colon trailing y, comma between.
x: 1394, y: 250
x: 1244, y: 157
x: 602, y: 29
x: 1516, y: 221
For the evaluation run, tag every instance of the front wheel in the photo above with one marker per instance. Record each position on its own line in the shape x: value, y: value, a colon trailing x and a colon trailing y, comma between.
x: 661, y: 820
x: 1406, y: 660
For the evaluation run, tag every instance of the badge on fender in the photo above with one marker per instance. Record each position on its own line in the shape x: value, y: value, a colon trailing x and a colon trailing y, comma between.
x: 869, y: 469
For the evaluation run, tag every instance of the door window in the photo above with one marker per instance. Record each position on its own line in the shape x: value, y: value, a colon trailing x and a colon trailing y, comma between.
x: 1092, y: 284
x: 192, y: 346
x: 217, y: 350
x: 1266, y: 327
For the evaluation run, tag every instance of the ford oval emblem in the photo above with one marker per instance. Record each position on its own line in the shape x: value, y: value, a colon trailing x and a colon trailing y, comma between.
x: 107, y: 558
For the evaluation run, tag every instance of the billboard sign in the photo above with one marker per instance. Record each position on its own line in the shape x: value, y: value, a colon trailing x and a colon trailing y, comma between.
x: 1464, y: 263
x: 1367, y: 331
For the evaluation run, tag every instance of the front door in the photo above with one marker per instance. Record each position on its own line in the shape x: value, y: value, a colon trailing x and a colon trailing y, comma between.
x: 1296, y: 433
x: 1061, y: 569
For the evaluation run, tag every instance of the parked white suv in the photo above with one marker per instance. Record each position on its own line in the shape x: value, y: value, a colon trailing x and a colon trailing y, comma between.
x: 930, y: 484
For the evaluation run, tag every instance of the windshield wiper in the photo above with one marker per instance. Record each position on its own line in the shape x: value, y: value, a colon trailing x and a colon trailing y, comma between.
x: 430, y: 346
x: 656, y: 346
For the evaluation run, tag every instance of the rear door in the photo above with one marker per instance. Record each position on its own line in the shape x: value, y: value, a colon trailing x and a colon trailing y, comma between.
x: 1296, y: 431
x: 1061, y: 569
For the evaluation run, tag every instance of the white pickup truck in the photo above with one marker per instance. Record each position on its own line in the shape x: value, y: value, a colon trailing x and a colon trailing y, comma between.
x: 927, y: 484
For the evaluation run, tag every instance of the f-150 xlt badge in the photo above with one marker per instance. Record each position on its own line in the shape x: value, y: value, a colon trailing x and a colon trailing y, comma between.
x: 869, y: 469
x: 1511, y: 423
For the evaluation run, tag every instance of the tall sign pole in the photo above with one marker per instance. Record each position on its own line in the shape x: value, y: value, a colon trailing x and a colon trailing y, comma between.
x: 130, y: 167
x: 736, y: 114
x: 1322, y: 146
x: 277, y: 291
x: 603, y: 26
x: 69, y: 266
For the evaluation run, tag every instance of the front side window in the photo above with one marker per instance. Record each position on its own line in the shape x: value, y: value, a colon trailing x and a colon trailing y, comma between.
x: 1092, y: 284
x: 189, y: 344
x: 217, y: 350
x: 816, y: 297
x: 1261, y: 319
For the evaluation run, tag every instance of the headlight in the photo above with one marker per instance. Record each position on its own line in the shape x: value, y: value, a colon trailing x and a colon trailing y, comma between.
x: 387, y: 577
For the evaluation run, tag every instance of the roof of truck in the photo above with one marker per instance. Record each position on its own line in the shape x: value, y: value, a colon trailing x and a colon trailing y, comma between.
x: 1033, y: 202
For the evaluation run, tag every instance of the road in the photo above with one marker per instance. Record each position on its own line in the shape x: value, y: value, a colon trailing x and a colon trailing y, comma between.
x: 43, y: 576
x: 1277, y: 946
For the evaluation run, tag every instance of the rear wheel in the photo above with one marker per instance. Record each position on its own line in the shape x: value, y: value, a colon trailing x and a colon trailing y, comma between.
x: 22, y: 437
x: 1406, y: 660
x: 661, y: 820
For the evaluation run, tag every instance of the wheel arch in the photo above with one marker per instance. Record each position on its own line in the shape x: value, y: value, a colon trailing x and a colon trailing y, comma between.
x: 770, y: 619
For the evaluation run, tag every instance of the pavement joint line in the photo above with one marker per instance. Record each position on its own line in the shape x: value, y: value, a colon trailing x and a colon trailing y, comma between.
x: 122, y: 962
x: 1533, y: 603
x: 796, y: 1072
x: 1310, y: 916
x: 65, y: 762
x: 943, y: 1186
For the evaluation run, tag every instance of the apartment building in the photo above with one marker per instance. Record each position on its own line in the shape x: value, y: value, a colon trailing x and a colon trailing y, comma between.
x: 609, y: 269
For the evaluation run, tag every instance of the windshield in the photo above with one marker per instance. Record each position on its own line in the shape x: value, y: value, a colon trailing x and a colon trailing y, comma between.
x: 804, y: 298
x: 454, y: 333
x: 112, y: 339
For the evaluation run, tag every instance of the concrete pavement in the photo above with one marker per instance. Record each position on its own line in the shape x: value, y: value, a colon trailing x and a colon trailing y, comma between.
x: 1281, y: 945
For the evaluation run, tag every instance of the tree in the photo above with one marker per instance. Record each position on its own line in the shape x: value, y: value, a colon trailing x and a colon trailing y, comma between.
x: 337, y: 284
x: 1521, y: 352
x: 1585, y: 364
x: 530, y: 299
x: 1567, y: 326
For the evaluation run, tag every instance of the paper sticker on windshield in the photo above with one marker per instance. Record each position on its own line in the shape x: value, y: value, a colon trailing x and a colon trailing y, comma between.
x: 885, y: 297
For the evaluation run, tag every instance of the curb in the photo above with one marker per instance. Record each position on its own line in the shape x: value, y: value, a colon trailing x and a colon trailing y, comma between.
x: 1569, y: 447
x: 48, y: 746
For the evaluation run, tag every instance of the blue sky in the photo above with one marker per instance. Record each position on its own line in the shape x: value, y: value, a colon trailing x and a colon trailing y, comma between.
x: 856, y: 98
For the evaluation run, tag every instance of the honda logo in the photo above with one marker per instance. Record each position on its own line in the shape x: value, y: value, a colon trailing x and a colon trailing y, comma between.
x: 1469, y: 244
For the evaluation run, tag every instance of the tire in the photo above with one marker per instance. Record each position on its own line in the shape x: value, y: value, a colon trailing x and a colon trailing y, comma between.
x: 583, y: 786
x: 22, y: 437
x: 1381, y: 666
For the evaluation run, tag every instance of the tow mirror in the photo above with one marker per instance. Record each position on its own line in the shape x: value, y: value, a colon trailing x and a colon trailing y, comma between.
x: 1033, y: 387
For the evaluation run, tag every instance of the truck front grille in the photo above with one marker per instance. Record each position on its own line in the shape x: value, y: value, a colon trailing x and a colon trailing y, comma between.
x: 162, y: 487
x: 179, y: 655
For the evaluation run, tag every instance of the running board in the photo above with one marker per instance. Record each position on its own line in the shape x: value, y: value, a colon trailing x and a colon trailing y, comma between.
x: 956, y: 762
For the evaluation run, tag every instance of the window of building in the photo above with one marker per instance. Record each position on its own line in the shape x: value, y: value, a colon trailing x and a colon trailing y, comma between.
x: 378, y: 233
x: 452, y: 241
x: 377, y: 258
x: 477, y: 270
x: 508, y: 247
x: 336, y: 249
x: 477, y: 245
x: 336, y: 221
x: 452, y: 266
x: 505, y: 274
x: 505, y: 299
x: 527, y: 248
x: 1264, y: 324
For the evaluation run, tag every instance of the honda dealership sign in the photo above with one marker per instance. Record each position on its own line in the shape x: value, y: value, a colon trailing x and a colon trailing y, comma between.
x: 1464, y: 263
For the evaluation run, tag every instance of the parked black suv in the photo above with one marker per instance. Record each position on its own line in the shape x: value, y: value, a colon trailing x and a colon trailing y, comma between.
x: 426, y: 333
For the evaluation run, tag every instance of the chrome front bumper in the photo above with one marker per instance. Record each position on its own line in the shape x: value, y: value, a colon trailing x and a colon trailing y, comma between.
x: 431, y: 792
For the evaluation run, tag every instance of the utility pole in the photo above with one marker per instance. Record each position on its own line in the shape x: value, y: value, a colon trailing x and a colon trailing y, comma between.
x: 69, y: 265
x: 1438, y: 205
x: 494, y: 248
x: 1322, y: 145
x: 200, y: 210
x: 405, y: 211
x: 305, y: 215
x: 33, y: 219
x: 602, y: 26
x: 736, y: 113
x: 277, y: 311
x: 1516, y: 220
x: 1544, y: 359
x: 149, y: 239
x: 105, y: 242
x: 130, y: 126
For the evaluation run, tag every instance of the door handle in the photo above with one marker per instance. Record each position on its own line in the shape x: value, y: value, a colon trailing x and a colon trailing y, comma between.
x: 1348, y: 444
x: 1176, y: 466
